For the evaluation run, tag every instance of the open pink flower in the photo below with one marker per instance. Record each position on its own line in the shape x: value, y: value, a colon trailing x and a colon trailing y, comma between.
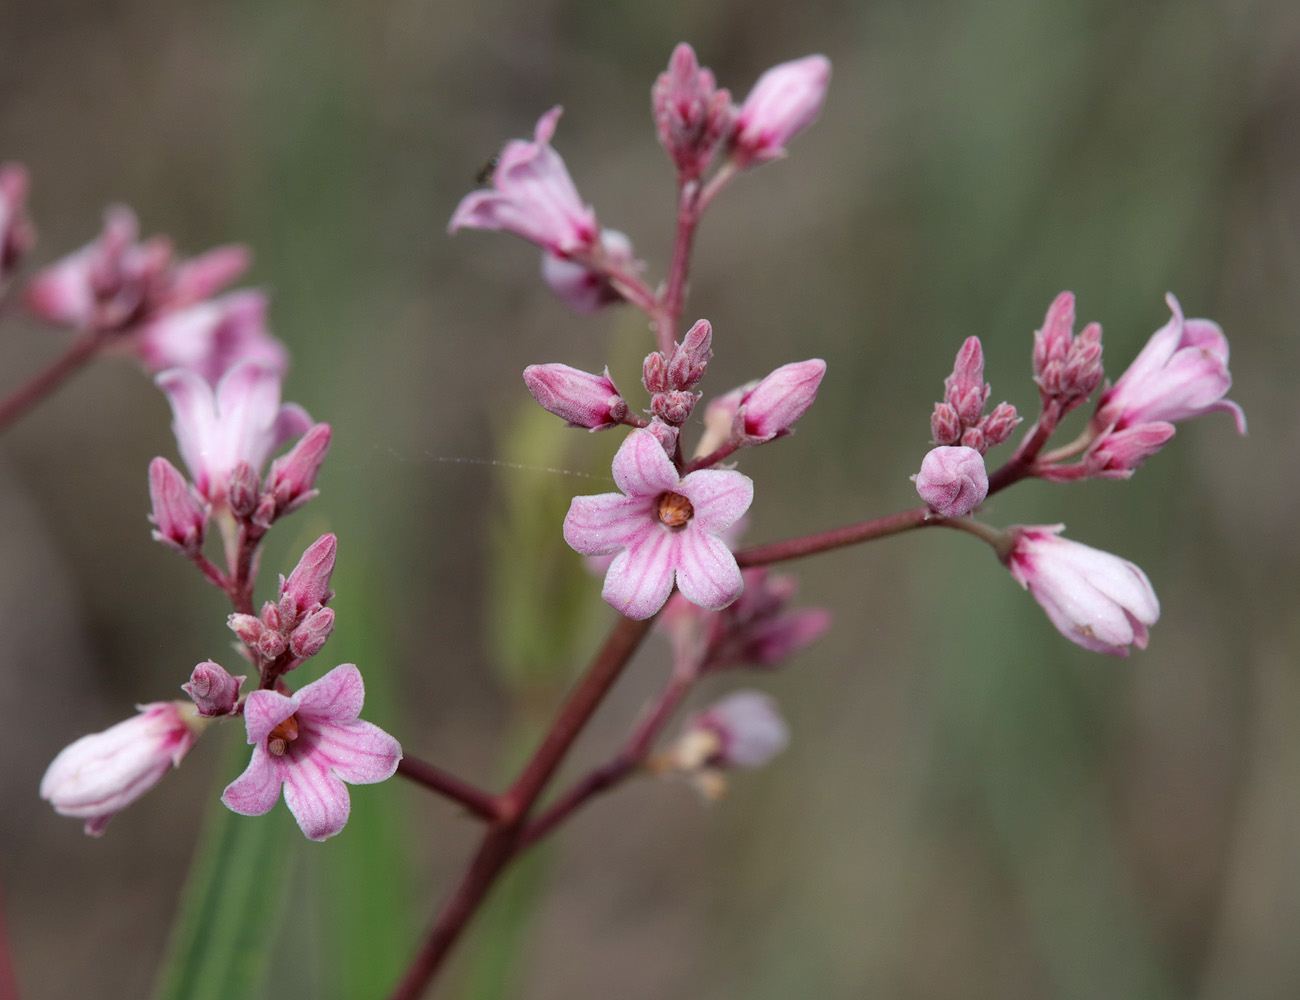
x: 532, y: 196
x: 311, y: 743
x: 240, y: 421
x: 662, y: 527
x: 212, y: 337
x: 1098, y: 600
x: 101, y: 774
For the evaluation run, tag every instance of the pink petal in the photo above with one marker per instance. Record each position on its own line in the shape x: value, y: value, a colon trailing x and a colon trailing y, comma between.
x: 707, y: 573
x: 720, y: 497
x: 317, y: 798
x: 642, y: 468
x: 603, y: 524
x: 359, y: 752
x: 336, y: 697
x: 641, y: 577
x: 264, y: 710
x: 194, y: 420
x: 255, y: 791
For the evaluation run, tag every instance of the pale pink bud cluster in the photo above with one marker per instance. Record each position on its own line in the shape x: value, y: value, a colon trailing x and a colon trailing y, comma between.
x: 960, y: 419
x: 16, y: 232
x: 1095, y: 599
x: 585, y: 288
x: 691, y: 114
x: 309, y: 744
x: 581, y: 398
x: 297, y: 626
x: 1067, y: 368
x: 532, y: 196
x: 670, y: 378
x: 99, y: 775
x: 953, y: 480
x: 785, y: 100
x: 214, y: 690
x: 758, y: 629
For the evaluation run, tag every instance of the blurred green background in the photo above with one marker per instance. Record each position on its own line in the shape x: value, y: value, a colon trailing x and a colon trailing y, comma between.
x: 971, y: 806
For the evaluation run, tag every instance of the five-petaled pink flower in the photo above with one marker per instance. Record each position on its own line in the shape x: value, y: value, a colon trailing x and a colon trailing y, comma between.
x: 1096, y: 599
x: 311, y: 743
x: 532, y: 196
x: 661, y: 526
x: 239, y: 422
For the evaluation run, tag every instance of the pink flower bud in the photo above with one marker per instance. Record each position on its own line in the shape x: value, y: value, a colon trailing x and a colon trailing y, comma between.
x: 101, y: 774
x: 973, y: 437
x: 243, y: 488
x: 586, y: 289
x: 785, y: 100
x: 691, y: 114
x: 665, y: 434
x: 690, y: 357
x: 1067, y: 368
x: 772, y: 406
x: 292, y: 479
x: 271, y: 645
x: 16, y: 232
x: 309, y: 583
x: 999, y: 424
x: 965, y: 390
x: 179, y: 519
x: 953, y: 481
x: 654, y: 373
x: 757, y: 629
x: 532, y: 196
x: 1095, y: 599
x: 747, y: 727
x: 203, y: 276
x: 1118, y: 454
x: 583, y: 399
x: 249, y: 628
x: 945, y: 425
x: 214, y: 690
x: 673, y: 407
x: 309, y: 637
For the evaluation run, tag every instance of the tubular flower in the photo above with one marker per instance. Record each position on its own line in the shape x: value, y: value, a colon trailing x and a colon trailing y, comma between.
x: 662, y: 527
x: 311, y: 743
x: 1098, y: 600
x: 785, y: 101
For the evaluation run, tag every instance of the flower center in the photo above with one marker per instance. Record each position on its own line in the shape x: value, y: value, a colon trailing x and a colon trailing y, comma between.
x: 675, y: 510
x: 278, y: 740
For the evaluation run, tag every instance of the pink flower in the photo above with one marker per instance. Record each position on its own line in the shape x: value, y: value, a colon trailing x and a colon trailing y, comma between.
x: 239, y: 421
x: 662, y: 527
x: 785, y: 100
x: 1181, y: 373
x: 532, y: 196
x: 1098, y: 600
x: 581, y: 398
x: 311, y: 743
x: 212, y: 337
x: 16, y: 232
x: 770, y: 408
x: 587, y: 289
x: 101, y: 774
x: 953, y: 480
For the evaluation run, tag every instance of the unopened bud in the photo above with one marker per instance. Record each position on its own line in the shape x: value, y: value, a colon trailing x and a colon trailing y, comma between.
x: 249, y: 628
x: 654, y: 373
x: 772, y: 406
x: 945, y: 425
x: 271, y: 645
x: 785, y: 100
x: 965, y: 390
x: 308, y: 638
x: 214, y: 690
x: 953, y: 481
x: 292, y: 478
x: 690, y: 357
x: 16, y: 232
x: 689, y: 116
x: 309, y: 583
x: 673, y: 407
x: 178, y: 516
x: 243, y: 491
x: 973, y: 437
x: 665, y: 434
x: 581, y: 398
x: 1067, y: 368
x: 999, y: 424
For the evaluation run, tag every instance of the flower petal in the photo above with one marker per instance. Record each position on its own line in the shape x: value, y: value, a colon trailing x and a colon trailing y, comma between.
x: 642, y: 468
x: 720, y: 497
x: 359, y: 752
x: 264, y: 710
x: 641, y: 577
x: 317, y: 798
x: 604, y: 524
x: 336, y: 697
x: 255, y: 791
x: 707, y: 573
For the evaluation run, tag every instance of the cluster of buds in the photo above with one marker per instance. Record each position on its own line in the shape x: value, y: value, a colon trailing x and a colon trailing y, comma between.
x: 669, y: 378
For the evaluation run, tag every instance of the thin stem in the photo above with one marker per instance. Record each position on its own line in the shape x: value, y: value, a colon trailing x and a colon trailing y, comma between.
x: 713, y: 457
x: 474, y: 799
x: 44, y: 382
x: 8, y: 980
x: 838, y: 538
x: 1021, y: 464
x: 675, y: 294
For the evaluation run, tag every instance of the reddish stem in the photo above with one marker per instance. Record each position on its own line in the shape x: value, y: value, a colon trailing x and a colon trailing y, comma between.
x: 674, y: 295
x: 474, y: 799
x: 8, y: 979
x: 713, y: 457
x: 1021, y: 464
x: 44, y: 382
x: 837, y: 538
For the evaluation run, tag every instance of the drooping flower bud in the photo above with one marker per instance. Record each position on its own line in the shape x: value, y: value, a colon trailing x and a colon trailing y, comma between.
x: 309, y: 583
x: 689, y: 358
x: 758, y: 630
x: 771, y: 408
x: 953, y: 480
x: 214, y: 690
x: 785, y: 100
x: 691, y: 114
x: 581, y: 398
x: 587, y: 289
x: 101, y: 774
x: 180, y: 521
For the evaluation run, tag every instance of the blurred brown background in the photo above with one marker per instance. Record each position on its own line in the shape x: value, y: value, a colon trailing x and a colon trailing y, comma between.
x: 971, y: 806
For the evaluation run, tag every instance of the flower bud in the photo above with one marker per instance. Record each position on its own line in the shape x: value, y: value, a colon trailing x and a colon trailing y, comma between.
x: 772, y: 406
x: 309, y: 583
x: 1119, y: 454
x: 785, y: 100
x: 248, y: 628
x: 945, y: 425
x: 583, y: 399
x: 999, y: 424
x: 654, y: 373
x: 691, y: 114
x: 101, y: 774
x: 1067, y: 368
x: 242, y: 491
x: 953, y: 481
x: 689, y: 358
x: 292, y: 479
x: 180, y: 520
x: 965, y: 390
x: 310, y: 636
x: 214, y: 690
x: 203, y: 276
x: 16, y: 232
x: 271, y: 645
x: 745, y: 728
x: 665, y: 434
x: 673, y: 407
